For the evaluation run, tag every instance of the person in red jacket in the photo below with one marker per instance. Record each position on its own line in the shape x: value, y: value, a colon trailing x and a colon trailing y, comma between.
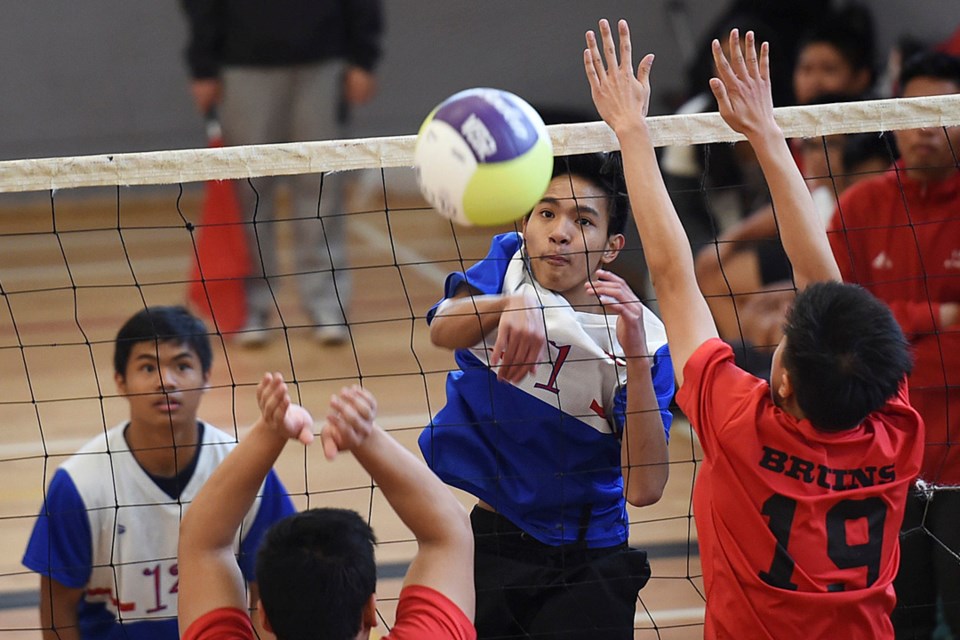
x: 898, y: 235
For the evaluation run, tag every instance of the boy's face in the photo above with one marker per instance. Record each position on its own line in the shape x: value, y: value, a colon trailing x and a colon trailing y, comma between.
x: 164, y: 383
x: 566, y: 236
x: 929, y: 151
x: 821, y: 69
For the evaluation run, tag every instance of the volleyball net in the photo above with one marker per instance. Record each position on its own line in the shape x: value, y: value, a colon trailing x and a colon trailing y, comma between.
x: 85, y: 242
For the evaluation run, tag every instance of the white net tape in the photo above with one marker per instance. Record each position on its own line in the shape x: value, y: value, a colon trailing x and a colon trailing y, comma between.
x: 194, y: 165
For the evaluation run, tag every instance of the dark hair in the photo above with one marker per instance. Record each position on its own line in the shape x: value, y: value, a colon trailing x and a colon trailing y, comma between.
x: 930, y: 64
x: 162, y: 324
x: 845, y: 354
x: 849, y: 31
x: 861, y: 147
x: 315, y: 571
x: 606, y: 171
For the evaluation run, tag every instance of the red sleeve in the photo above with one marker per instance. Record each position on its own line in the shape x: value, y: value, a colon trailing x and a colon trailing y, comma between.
x: 221, y: 624
x: 714, y: 390
x: 426, y: 614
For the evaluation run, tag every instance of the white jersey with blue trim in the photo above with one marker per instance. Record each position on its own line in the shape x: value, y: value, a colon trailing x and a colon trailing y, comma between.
x: 108, y: 528
x: 544, y: 452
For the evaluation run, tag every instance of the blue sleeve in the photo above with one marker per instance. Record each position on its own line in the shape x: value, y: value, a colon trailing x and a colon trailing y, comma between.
x: 485, y: 276
x: 663, y: 388
x: 275, y: 504
x: 61, y: 545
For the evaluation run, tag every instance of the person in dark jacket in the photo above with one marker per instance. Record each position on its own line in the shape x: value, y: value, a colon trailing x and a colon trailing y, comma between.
x: 285, y: 71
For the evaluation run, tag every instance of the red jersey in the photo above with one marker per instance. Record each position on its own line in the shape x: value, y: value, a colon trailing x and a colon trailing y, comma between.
x: 422, y: 614
x: 798, y: 528
x: 900, y: 240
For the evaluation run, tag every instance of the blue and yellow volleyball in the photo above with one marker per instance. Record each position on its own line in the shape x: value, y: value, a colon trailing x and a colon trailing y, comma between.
x: 483, y: 157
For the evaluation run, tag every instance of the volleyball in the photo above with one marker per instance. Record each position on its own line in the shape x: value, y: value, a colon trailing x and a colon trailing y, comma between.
x: 483, y: 157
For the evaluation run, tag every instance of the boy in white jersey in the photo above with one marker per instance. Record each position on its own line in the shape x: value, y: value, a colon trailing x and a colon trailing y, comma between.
x: 105, y: 542
x: 559, y: 411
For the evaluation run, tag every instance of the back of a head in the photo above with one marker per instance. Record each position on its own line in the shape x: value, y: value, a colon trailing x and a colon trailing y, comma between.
x: 930, y: 64
x: 162, y: 324
x: 845, y: 354
x: 606, y: 171
x: 315, y: 571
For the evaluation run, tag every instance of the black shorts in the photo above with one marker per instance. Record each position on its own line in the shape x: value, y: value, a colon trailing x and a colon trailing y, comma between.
x: 528, y: 589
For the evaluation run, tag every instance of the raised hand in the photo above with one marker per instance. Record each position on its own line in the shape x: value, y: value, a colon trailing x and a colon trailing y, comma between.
x: 742, y: 86
x: 620, y: 97
x: 521, y: 339
x: 617, y: 297
x: 350, y: 420
x: 279, y: 413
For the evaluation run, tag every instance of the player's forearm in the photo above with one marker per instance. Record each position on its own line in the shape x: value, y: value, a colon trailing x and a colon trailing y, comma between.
x: 212, y: 520
x: 801, y: 230
x: 643, y: 455
x: 58, y: 611
x: 418, y: 497
x: 463, y: 322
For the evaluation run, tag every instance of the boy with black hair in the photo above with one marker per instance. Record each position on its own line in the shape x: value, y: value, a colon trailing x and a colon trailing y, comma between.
x: 800, y: 497
x: 317, y: 570
x: 105, y: 542
x: 898, y: 235
x: 836, y: 56
x: 558, y: 414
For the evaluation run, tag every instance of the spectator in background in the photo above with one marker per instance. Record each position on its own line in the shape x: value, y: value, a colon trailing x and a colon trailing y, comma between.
x: 835, y: 64
x: 898, y: 235
x: 851, y: 158
x: 283, y: 71
x: 714, y: 186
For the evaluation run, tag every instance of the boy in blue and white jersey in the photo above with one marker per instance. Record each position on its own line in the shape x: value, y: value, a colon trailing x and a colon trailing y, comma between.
x: 558, y: 414
x: 105, y: 542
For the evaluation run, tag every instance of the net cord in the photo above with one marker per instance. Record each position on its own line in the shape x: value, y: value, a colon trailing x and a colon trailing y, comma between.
x: 241, y: 162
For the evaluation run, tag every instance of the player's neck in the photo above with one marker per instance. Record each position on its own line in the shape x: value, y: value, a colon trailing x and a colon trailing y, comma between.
x: 163, y: 452
x: 789, y: 405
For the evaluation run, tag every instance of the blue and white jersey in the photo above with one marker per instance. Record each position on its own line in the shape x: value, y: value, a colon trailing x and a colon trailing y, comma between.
x: 106, y: 527
x: 545, y: 453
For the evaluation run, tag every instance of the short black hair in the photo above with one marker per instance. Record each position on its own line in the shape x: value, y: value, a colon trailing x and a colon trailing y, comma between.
x: 606, y: 171
x: 315, y: 571
x: 930, y: 64
x: 845, y: 354
x: 162, y: 324
x: 858, y: 148
x: 850, y: 31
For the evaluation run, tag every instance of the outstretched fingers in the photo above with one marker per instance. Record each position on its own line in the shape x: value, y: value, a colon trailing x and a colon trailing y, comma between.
x: 609, y: 45
x: 593, y: 61
x: 765, y: 62
x: 750, y: 55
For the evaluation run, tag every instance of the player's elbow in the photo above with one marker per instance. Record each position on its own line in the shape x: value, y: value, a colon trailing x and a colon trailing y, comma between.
x: 444, y: 334
x: 644, y: 496
x: 644, y: 486
x: 453, y: 531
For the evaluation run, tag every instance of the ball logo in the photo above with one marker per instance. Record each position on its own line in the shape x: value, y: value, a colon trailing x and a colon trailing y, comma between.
x: 512, y: 115
x: 478, y: 137
x: 483, y: 156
